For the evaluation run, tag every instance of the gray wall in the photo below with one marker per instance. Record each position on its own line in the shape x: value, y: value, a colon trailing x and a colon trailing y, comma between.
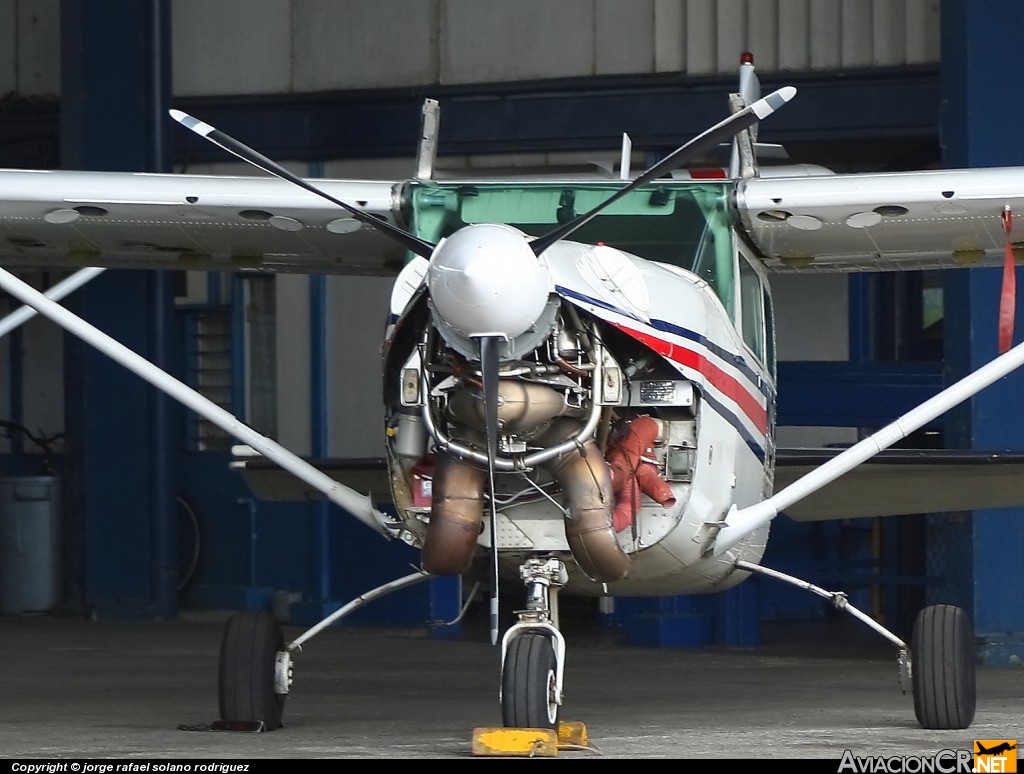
x: 281, y: 46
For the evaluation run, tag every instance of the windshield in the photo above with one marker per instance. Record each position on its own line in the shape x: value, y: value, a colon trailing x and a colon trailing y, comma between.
x: 678, y: 222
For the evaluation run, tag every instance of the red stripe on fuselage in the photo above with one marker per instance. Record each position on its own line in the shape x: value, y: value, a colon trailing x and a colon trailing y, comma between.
x: 727, y: 385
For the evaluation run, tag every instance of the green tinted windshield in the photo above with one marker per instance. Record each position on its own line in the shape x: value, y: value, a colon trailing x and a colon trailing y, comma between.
x: 679, y: 222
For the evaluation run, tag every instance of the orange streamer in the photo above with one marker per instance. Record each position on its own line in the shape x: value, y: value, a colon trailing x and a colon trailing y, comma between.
x: 1007, y: 301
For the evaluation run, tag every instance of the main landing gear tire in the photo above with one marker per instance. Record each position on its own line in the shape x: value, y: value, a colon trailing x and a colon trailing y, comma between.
x: 248, y: 656
x: 528, y: 683
x: 942, y: 668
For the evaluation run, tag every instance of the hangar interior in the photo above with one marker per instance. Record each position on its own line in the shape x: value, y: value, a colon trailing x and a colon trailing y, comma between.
x: 149, y: 518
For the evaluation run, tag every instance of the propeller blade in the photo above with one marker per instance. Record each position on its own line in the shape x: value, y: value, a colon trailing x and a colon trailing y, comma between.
x: 737, y: 122
x: 489, y: 368
x: 247, y: 154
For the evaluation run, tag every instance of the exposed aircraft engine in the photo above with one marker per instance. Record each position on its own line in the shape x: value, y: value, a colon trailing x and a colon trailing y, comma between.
x: 547, y: 417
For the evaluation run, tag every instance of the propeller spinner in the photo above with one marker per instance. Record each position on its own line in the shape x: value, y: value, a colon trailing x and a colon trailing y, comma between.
x: 485, y: 280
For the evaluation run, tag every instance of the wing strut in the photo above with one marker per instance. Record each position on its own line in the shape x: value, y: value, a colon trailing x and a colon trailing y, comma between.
x: 349, y: 499
x: 56, y: 293
x: 741, y: 522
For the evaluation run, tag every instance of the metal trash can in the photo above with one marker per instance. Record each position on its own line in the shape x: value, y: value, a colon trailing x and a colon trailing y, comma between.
x: 29, y: 544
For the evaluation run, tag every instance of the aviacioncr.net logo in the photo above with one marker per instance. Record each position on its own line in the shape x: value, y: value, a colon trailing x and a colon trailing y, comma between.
x: 942, y: 762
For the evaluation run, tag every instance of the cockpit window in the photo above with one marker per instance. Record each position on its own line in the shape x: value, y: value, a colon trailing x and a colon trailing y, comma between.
x: 679, y: 222
x: 758, y: 324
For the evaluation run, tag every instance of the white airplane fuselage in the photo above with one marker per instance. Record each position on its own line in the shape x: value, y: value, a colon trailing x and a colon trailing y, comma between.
x: 620, y: 338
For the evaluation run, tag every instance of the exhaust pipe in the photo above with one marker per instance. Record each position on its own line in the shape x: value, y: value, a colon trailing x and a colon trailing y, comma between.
x: 458, y: 505
x: 456, y: 516
x: 586, y: 480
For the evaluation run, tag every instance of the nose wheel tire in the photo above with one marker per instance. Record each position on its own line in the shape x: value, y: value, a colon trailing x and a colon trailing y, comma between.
x: 529, y: 689
x: 248, y: 657
x: 942, y: 668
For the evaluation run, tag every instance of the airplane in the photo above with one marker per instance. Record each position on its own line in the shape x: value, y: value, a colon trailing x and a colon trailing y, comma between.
x: 999, y: 748
x: 579, y: 373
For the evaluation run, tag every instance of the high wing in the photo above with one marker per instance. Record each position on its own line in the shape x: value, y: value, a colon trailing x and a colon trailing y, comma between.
x: 161, y: 221
x: 862, y: 222
x: 880, y: 222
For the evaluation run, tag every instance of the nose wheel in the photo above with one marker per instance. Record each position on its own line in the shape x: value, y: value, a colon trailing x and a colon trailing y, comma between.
x: 529, y: 684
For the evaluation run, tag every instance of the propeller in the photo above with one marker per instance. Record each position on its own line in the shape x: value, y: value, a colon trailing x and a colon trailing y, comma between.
x: 724, y: 129
x: 489, y: 369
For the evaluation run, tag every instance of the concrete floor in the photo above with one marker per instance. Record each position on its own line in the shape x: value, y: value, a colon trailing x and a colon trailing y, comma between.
x: 74, y: 688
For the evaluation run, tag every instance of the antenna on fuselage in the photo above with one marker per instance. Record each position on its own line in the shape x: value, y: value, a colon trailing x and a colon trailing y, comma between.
x: 626, y: 159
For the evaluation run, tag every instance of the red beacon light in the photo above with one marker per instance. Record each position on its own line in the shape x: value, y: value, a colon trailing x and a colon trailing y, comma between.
x: 746, y: 58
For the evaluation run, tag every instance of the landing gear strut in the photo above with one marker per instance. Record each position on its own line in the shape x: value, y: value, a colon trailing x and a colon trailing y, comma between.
x: 938, y: 666
x: 533, y: 651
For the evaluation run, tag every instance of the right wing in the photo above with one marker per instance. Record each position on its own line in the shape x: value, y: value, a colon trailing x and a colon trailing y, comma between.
x: 162, y: 221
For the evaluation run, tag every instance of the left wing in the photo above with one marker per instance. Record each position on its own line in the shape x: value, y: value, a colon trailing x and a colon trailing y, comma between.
x: 163, y: 221
x: 881, y: 222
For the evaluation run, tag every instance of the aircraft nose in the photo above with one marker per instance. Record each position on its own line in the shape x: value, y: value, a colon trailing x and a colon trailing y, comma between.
x: 485, y: 280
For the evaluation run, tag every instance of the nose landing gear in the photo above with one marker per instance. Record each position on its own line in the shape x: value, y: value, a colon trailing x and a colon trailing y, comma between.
x: 533, y: 651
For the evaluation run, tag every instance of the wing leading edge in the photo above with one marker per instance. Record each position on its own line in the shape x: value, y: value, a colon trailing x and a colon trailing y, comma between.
x: 163, y: 221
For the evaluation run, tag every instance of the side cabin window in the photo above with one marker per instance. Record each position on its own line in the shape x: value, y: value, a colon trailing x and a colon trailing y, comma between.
x: 756, y: 322
x: 684, y: 223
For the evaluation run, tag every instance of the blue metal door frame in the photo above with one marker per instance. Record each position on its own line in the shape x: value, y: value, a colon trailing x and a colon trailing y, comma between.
x: 981, y: 552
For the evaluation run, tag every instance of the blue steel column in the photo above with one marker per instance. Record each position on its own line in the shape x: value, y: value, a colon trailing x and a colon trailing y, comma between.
x: 318, y: 422
x: 115, y: 88
x: 980, y: 553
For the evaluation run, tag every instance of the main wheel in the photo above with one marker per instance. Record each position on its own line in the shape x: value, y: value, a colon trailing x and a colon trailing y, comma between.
x: 248, y: 658
x: 528, y: 683
x: 942, y: 668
